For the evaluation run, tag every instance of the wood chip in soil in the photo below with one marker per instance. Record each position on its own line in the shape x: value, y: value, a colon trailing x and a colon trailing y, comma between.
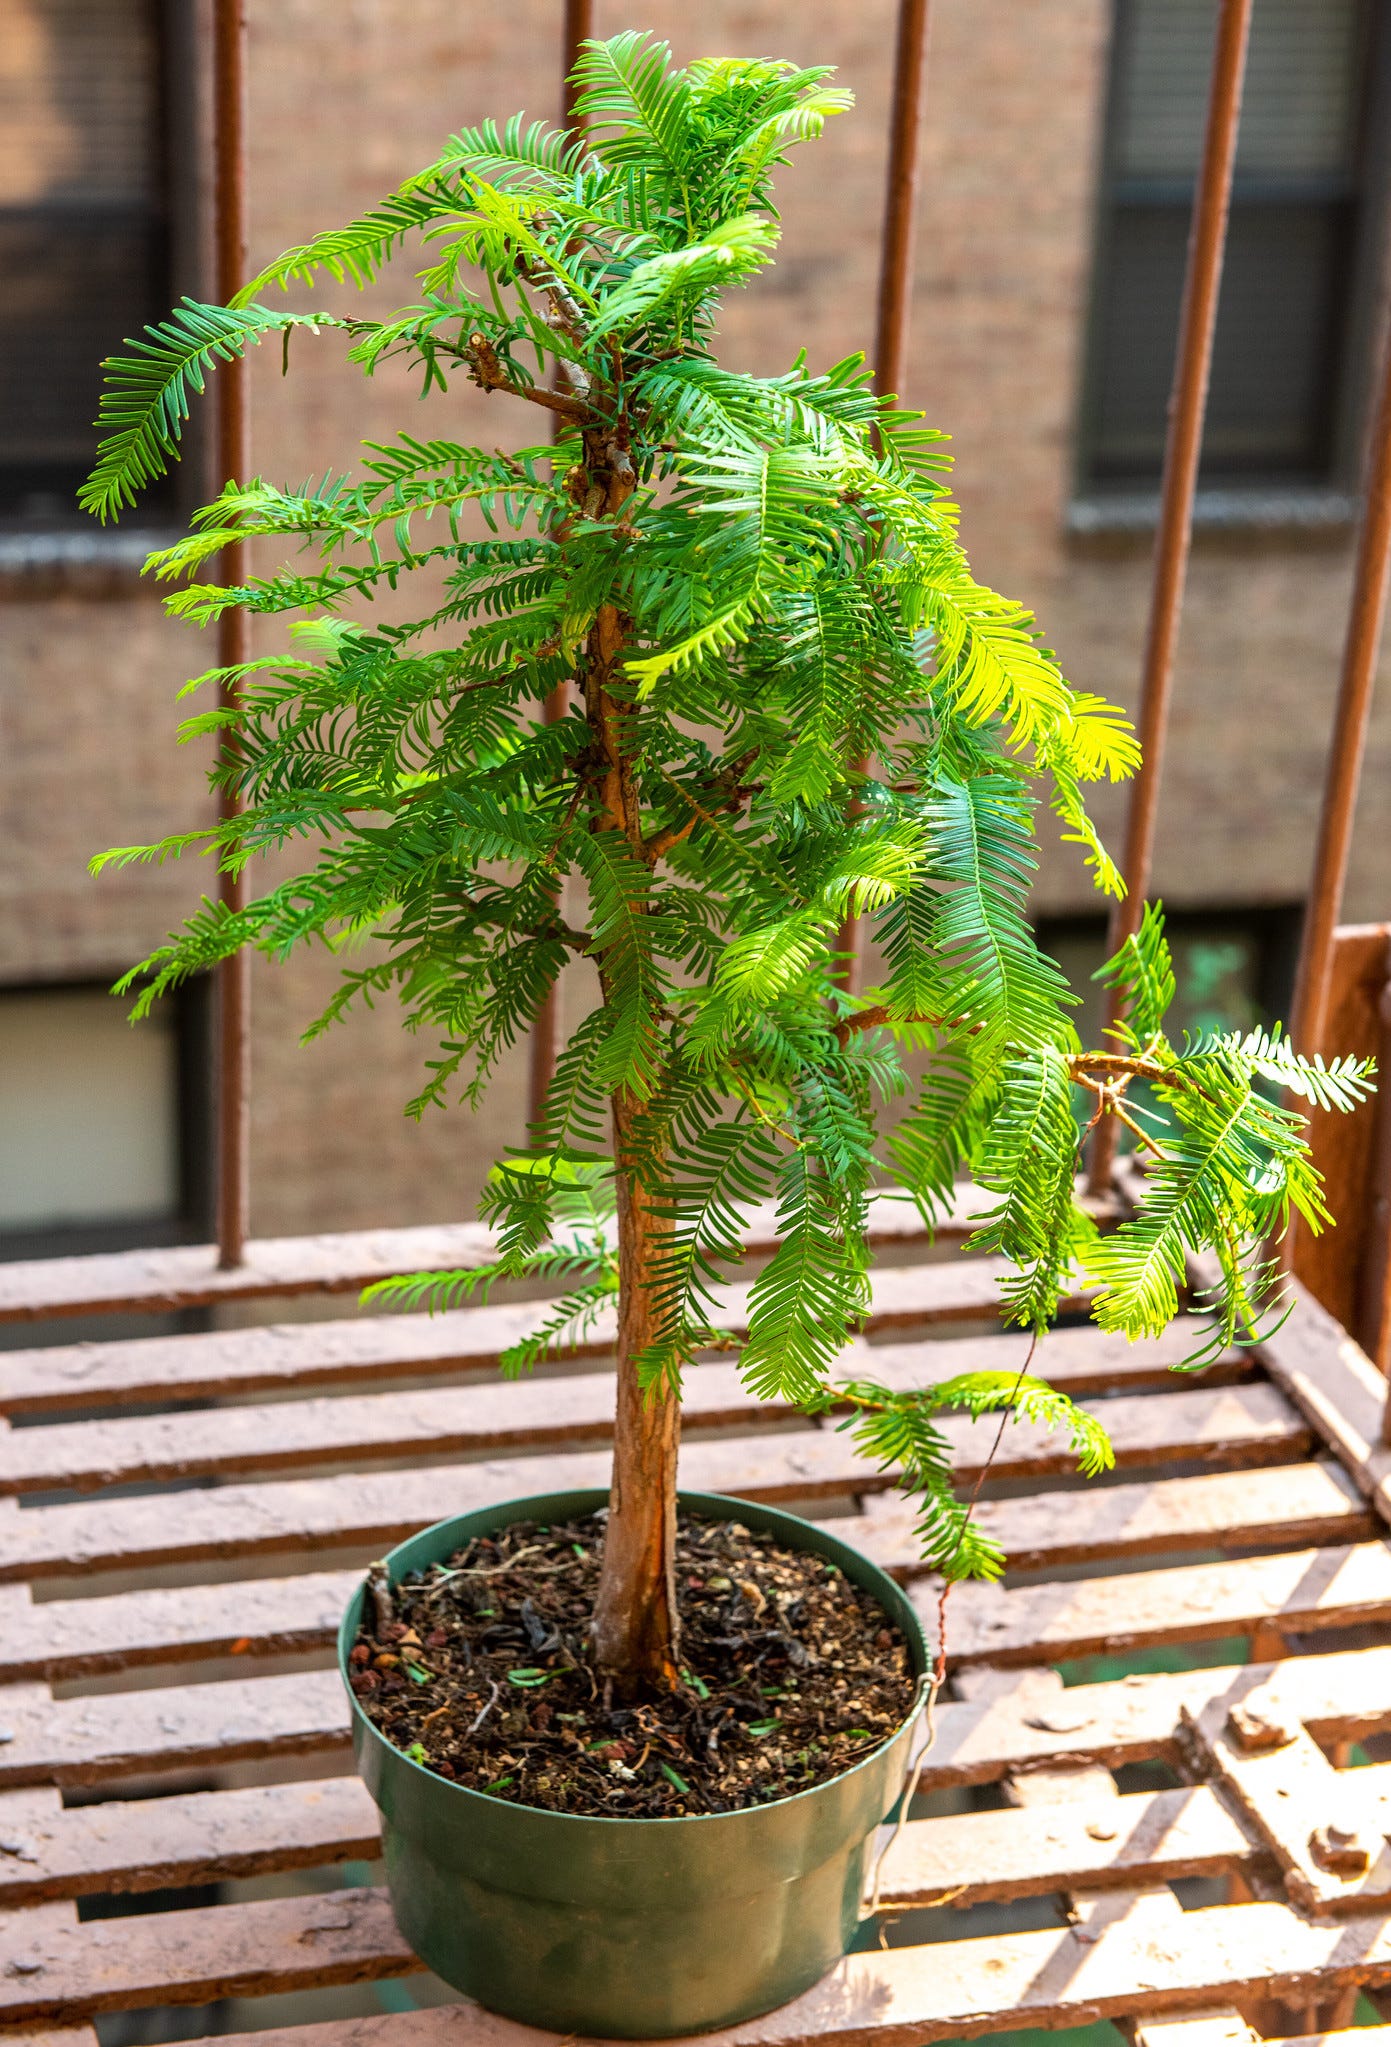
x: 482, y: 1670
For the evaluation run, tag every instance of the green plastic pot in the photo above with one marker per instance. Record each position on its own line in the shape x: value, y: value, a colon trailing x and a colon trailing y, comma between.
x: 633, y: 1928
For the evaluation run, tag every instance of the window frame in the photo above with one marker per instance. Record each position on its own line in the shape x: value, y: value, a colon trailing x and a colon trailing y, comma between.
x: 1099, y: 506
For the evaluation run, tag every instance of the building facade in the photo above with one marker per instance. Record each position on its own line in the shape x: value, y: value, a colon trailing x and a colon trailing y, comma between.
x: 1059, y: 148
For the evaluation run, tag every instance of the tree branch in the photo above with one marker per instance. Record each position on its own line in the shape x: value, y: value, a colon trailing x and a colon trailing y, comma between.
x: 486, y: 369
x: 845, y: 1027
x: 727, y: 783
x: 657, y: 843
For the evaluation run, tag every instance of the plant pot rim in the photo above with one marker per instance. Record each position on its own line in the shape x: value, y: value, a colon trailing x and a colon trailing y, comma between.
x: 707, y: 1506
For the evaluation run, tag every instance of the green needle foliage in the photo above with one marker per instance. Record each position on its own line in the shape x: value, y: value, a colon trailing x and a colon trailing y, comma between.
x: 789, y: 701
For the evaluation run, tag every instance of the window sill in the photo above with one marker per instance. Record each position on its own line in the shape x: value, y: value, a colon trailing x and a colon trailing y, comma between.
x: 1294, y: 510
x: 71, y: 562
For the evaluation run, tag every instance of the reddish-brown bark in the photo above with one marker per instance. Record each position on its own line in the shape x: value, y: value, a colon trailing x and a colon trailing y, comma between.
x: 636, y: 1632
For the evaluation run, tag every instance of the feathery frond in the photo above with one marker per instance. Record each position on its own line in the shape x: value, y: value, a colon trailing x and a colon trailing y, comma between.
x: 789, y: 700
x: 145, y: 400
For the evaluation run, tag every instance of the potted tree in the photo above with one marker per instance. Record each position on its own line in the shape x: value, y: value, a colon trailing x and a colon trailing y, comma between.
x: 782, y: 699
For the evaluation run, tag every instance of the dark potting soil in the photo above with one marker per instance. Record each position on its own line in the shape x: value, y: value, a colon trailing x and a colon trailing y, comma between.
x: 482, y: 1670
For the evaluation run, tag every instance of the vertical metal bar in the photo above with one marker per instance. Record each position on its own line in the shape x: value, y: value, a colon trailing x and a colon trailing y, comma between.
x: 578, y: 28
x: 1187, y: 407
x: 1374, y: 1304
x: 1309, y: 1019
x: 901, y: 198
x: 233, y: 637
x: 896, y: 274
x: 1365, y: 618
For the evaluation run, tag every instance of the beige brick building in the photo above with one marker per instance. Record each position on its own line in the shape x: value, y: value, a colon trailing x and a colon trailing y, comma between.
x: 348, y: 97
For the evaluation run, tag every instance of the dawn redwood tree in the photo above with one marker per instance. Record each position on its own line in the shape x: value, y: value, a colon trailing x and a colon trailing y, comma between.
x: 789, y: 701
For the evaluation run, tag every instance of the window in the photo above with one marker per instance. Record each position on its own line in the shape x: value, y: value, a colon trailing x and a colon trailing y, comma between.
x: 85, y: 232
x: 1233, y: 969
x: 1298, y: 250
x: 103, y: 1138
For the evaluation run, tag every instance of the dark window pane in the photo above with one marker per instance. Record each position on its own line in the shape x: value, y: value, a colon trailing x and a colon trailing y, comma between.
x: 75, y: 289
x: 1297, y: 112
x: 1276, y: 409
x: 83, y: 238
x: 1269, y: 411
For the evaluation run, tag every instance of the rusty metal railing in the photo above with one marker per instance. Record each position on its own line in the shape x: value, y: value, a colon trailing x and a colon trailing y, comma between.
x: 577, y: 28
x: 1173, y: 541
x: 895, y: 298
x: 1365, y: 619
x: 233, y: 627
x: 1187, y: 411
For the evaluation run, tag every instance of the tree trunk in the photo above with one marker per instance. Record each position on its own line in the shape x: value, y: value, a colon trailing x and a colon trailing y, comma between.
x: 635, y: 1621
x: 636, y: 1630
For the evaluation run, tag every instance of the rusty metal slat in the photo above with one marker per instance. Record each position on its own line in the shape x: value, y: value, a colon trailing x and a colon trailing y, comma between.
x: 1297, y: 1591
x: 62, y: 1639
x: 1187, y: 409
x: 1128, y: 1953
x: 1325, y: 1826
x: 1335, y: 1386
x: 1345, y: 1695
x: 188, y: 1275
x: 367, y: 1353
x: 485, y: 1419
x: 1235, y: 1426
x: 345, y: 1936
x: 202, y: 1837
x: 1023, y: 1851
x: 233, y: 626
x: 1291, y: 1505
x: 254, y: 1948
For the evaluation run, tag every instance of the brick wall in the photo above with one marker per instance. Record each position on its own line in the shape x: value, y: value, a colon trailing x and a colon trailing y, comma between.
x: 347, y: 99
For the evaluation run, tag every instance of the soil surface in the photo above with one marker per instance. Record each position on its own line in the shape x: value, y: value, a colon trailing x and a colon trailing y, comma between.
x: 481, y: 1669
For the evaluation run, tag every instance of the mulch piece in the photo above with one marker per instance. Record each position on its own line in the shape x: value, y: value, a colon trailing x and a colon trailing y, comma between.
x: 481, y: 1669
